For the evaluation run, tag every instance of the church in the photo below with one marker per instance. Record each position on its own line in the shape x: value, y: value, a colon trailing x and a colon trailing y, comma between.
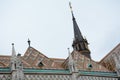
x: 34, y: 65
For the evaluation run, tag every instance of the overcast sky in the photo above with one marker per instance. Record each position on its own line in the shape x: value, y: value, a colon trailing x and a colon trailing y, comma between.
x: 48, y: 24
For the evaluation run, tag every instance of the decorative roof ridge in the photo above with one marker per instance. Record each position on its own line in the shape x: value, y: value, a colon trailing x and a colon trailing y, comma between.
x: 58, y: 58
x: 5, y: 56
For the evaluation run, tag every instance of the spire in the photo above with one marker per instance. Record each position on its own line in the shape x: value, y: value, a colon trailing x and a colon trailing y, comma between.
x: 77, y: 34
x: 13, y: 51
x: 13, y: 58
x: 79, y: 43
x: 29, y: 42
x: 71, y: 11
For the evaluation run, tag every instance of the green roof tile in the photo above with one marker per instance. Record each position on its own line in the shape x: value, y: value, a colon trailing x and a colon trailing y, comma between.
x: 98, y: 73
x: 46, y: 71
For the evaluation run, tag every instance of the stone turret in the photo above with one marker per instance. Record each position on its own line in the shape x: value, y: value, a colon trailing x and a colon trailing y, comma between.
x: 71, y: 63
x: 72, y: 66
x: 16, y: 66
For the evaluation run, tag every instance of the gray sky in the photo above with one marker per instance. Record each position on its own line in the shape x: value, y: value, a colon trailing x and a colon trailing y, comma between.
x: 49, y: 26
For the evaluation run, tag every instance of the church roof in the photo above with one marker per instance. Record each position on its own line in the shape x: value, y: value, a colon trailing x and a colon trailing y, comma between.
x: 32, y: 58
x: 82, y: 62
x: 108, y: 60
x: 4, y: 60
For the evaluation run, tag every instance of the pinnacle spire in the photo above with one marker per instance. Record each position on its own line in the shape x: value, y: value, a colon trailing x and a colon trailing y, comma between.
x: 77, y: 33
x: 29, y: 42
x: 70, y: 57
x: 13, y: 51
x: 71, y: 10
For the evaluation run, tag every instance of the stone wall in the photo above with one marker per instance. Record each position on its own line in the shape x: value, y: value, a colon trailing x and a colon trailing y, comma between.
x: 96, y: 78
x: 46, y: 77
x: 5, y: 77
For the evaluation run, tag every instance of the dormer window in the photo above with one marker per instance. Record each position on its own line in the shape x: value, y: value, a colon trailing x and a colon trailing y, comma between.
x: 90, y: 66
x: 40, y: 64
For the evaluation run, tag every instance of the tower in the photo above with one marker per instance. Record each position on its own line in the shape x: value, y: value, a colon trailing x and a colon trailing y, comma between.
x: 79, y: 43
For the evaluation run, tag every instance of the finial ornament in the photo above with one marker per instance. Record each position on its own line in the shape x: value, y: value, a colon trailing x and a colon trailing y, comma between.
x: 71, y: 11
x: 13, y: 44
x: 29, y: 42
x: 68, y: 51
x: 13, y: 51
x: 70, y: 6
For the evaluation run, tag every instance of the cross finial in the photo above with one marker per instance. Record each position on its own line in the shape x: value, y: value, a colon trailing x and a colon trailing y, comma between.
x: 29, y: 42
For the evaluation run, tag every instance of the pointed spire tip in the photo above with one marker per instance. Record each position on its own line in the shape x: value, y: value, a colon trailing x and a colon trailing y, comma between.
x: 70, y: 7
x: 70, y: 4
x: 71, y: 10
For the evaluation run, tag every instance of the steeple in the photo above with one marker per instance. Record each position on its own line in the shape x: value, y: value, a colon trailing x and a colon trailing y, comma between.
x: 79, y: 43
x: 77, y: 33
